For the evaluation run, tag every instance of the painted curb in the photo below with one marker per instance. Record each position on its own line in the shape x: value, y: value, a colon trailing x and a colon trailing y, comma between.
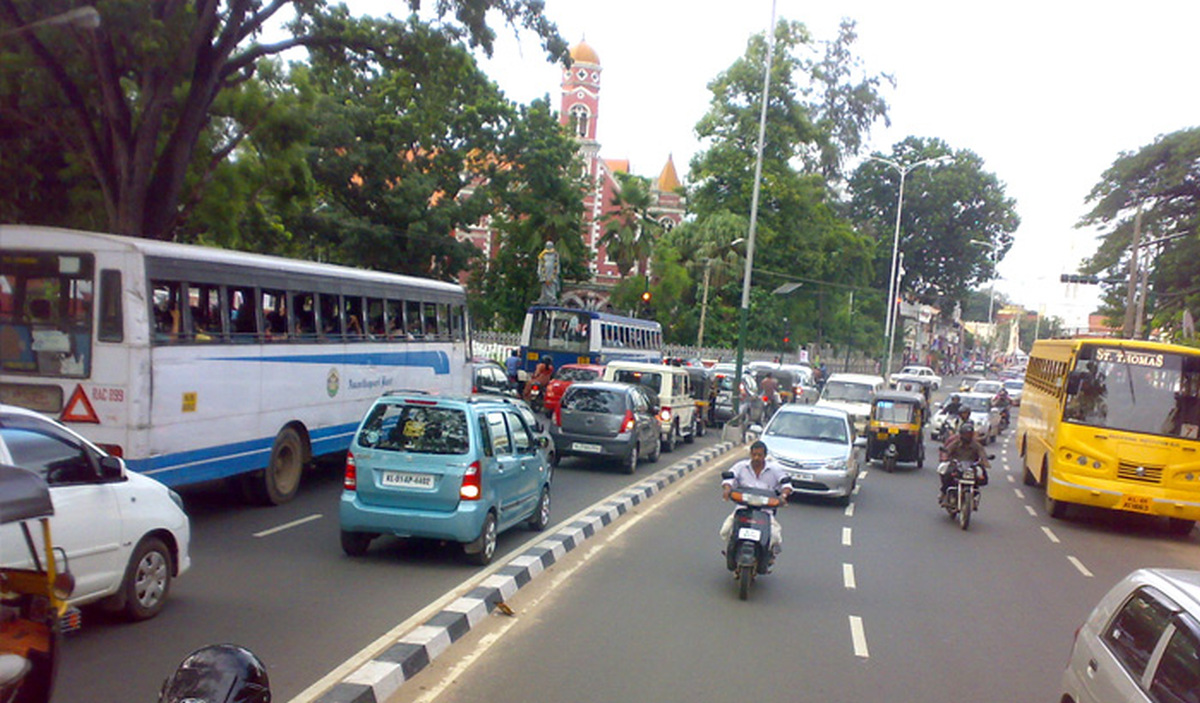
x: 380, y: 678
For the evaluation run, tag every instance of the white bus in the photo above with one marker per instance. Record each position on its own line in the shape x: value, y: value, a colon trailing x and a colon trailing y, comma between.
x: 196, y: 363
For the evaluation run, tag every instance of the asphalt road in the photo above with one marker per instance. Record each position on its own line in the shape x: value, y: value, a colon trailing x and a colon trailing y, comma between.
x: 885, y: 600
x: 276, y: 580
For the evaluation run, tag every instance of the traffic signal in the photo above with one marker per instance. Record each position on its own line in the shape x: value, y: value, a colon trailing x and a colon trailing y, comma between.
x: 1080, y: 278
x: 646, y: 297
x: 786, y: 339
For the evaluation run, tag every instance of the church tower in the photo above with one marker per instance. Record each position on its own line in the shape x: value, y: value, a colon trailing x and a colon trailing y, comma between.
x: 581, y: 98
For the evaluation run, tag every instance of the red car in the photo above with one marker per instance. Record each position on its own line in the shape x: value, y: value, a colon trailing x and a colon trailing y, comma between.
x: 564, y: 377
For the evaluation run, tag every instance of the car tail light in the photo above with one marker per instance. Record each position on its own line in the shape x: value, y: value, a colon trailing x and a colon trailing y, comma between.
x: 766, y: 399
x: 558, y: 415
x: 350, y: 480
x: 629, y: 422
x: 472, y: 482
x: 664, y: 414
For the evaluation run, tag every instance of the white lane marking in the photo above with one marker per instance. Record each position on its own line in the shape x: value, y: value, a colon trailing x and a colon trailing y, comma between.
x: 1079, y: 565
x: 863, y: 475
x: 848, y: 576
x: 289, y: 525
x: 846, y: 536
x: 1050, y: 534
x: 857, y: 487
x: 1010, y: 478
x: 1029, y: 509
x: 1020, y: 493
x: 850, y: 510
x: 859, y: 636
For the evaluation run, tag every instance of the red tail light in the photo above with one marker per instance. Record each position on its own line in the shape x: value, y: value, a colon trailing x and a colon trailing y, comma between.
x: 664, y: 414
x: 558, y: 415
x: 629, y: 422
x: 350, y: 481
x: 766, y: 399
x: 472, y: 482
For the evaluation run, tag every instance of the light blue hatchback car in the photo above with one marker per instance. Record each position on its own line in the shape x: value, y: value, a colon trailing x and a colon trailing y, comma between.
x: 461, y: 469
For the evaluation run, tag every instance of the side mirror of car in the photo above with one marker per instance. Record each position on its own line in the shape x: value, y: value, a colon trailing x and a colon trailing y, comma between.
x: 112, y: 467
x: 543, y: 442
x: 860, y: 442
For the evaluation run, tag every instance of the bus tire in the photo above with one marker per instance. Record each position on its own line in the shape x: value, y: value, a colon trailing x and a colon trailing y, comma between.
x: 281, y: 479
x: 1179, y: 526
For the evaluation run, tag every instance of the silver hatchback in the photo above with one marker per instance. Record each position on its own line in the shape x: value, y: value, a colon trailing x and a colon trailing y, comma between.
x: 1140, y: 643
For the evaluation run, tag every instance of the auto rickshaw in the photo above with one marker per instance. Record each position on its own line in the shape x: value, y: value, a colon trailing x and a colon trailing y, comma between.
x: 703, y: 389
x: 33, y: 594
x: 896, y: 429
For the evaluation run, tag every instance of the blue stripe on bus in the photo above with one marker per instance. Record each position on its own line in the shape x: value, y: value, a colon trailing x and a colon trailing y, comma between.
x: 199, y: 465
x: 438, y: 361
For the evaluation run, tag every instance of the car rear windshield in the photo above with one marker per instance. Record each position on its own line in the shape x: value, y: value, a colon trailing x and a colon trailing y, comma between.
x: 594, y: 400
x: 567, y: 373
x: 648, y: 379
x: 415, y: 428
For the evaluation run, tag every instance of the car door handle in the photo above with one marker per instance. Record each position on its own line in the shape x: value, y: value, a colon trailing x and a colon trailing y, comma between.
x: 1092, y: 666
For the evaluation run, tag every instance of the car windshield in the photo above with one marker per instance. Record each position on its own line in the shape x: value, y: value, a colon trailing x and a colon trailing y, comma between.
x: 1014, y: 385
x: 821, y: 428
x: 986, y: 387
x: 977, y: 405
x: 569, y: 373
x: 415, y: 428
x: 916, y: 370
x: 843, y: 390
x: 593, y: 400
x: 1137, y: 391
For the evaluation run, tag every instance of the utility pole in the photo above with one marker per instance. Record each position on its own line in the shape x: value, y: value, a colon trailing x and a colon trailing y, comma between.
x: 1127, y: 330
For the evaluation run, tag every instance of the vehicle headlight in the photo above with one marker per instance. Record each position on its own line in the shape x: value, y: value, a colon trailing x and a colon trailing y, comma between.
x: 837, y: 464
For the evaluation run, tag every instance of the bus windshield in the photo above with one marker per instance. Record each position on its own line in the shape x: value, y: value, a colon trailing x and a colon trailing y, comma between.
x: 46, y: 313
x: 1136, y: 391
x: 560, y: 330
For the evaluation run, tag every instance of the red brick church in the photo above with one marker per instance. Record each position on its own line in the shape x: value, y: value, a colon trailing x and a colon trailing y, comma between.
x: 580, y: 108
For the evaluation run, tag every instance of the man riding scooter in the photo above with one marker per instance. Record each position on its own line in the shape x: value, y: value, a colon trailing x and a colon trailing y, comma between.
x: 757, y: 472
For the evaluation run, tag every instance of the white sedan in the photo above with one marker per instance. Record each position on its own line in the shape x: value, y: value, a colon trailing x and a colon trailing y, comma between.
x: 923, y: 374
x: 985, y: 417
x: 125, y: 535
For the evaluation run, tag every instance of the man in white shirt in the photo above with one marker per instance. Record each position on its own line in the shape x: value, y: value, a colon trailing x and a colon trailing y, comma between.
x: 757, y: 472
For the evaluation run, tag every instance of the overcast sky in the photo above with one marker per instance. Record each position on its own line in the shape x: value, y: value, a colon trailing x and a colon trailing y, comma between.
x: 1048, y: 93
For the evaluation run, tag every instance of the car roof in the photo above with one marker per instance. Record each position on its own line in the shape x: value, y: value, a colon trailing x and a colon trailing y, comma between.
x: 582, y: 366
x: 605, y: 385
x: 978, y: 396
x: 856, y: 378
x: 644, y: 366
x: 823, y: 410
x: 905, y: 396
x: 1187, y: 581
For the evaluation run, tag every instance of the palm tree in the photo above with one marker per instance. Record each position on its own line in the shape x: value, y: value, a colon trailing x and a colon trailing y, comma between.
x: 629, y: 231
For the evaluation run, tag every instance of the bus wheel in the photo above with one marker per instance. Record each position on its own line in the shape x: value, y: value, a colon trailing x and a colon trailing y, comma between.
x: 1179, y: 526
x: 1055, y: 508
x: 282, y: 477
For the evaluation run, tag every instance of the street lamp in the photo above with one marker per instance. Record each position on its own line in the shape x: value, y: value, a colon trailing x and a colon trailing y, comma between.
x: 86, y: 17
x: 992, y: 296
x: 893, y: 284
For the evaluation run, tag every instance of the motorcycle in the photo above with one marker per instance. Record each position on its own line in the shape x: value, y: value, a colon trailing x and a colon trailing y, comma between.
x: 748, y: 553
x: 535, y: 396
x: 962, y: 494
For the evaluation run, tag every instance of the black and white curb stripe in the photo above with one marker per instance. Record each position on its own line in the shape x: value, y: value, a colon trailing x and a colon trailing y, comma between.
x: 376, y: 680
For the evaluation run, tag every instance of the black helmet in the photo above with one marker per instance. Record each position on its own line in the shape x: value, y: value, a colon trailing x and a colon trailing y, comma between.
x: 219, y: 673
x: 954, y: 398
x: 966, y: 428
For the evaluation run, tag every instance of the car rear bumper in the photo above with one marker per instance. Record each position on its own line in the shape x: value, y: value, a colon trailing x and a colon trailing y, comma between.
x: 460, y: 525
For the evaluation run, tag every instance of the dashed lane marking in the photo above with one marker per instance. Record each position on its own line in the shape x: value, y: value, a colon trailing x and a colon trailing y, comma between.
x: 1029, y: 509
x: 1020, y: 493
x: 289, y: 525
x: 846, y: 541
x: 1050, y: 534
x: 850, y: 510
x: 848, y: 576
x: 1079, y: 565
x: 859, y: 636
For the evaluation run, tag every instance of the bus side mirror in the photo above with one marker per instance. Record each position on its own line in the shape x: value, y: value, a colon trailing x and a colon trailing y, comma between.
x: 1074, y: 381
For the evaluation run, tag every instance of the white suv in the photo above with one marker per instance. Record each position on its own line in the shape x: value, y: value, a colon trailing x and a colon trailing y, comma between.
x: 125, y: 535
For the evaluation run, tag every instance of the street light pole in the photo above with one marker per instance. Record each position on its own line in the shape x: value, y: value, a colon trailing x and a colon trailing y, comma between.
x: 893, y: 284
x: 758, y: 159
x: 704, y: 303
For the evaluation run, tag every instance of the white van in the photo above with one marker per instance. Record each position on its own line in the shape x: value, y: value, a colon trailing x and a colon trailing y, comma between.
x: 677, y: 414
x: 852, y: 392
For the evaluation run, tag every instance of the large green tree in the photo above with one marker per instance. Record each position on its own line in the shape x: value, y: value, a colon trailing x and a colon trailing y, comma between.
x: 128, y: 103
x: 1162, y: 180
x: 629, y: 230
x: 809, y: 129
x: 956, y: 221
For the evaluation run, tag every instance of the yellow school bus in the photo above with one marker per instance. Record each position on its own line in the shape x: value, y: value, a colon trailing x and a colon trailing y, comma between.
x: 1114, y: 423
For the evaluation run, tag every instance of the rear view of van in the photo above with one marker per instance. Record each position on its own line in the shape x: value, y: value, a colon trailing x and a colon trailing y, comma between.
x: 852, y: 392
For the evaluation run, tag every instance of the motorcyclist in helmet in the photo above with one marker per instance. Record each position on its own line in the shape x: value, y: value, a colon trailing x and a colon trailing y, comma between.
x: 219, y: 673
x: 951, y: 407
x: 962, y: 447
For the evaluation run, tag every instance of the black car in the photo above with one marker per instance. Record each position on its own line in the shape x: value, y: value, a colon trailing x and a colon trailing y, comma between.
x: 490, y: 377
x: 608, y: 420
